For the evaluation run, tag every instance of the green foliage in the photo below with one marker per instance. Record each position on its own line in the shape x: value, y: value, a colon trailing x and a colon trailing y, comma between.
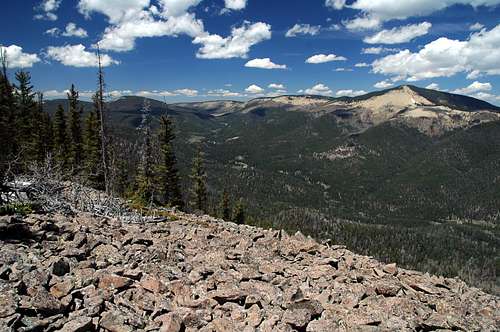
x: 451, y: 249
x: 7, y: 132
x: 239, y: 213
x: 25, y: 115
x: 168, y: 175
x: 199, y: 196
x: 146, y: 178
x: 16, y: 208
x: 61, y: 144
x: 75, y: 130
x: 224, y: 206
x: 92, y: 149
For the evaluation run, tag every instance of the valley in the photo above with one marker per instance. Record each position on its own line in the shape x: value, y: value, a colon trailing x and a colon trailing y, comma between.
x: 407, y: 174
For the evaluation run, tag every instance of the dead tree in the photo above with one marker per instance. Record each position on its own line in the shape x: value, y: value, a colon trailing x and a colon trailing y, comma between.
x: 103, y: 133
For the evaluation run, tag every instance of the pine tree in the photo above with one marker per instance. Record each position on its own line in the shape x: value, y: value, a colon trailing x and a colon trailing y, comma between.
x: 25, y: 114
x: 167, y: 171
x: 61, y: 148
x: 199, y: 187
x: 75, y: 129
x: 7, y: 120
x: 224, y: 208
x: 47, y: 133
x: 145, y: 181
x: 92, y: 148
x: 38, y: 148
x: 239, y: 213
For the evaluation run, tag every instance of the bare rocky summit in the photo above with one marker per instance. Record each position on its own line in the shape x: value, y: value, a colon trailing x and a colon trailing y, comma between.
x: 83, y: 273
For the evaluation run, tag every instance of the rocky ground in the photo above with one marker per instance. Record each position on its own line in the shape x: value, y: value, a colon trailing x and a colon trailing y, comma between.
x: 85, y: 274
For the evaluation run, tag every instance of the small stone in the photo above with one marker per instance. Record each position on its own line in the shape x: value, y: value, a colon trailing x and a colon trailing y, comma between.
x: 80, y: 324
x: 112, y: 282
x: 152, y: 284
x: 46, y: 303
x: 171, y: 322
x: 7, y: 305
x: 114, y: 322
x: 60, y: 267
x: 387, y: 288
x: 299, y: 314
x: 254, y: 316
x: 390, y: 268
x: 62, y: 289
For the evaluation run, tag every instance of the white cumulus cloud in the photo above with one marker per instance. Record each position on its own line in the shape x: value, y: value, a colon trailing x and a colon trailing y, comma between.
x: 264, y: 63
x: 77, y: 56
x: 362, y: 23
x: 372, y: 13
x: 223, y: 93
x: 378, y: 50
x: 187, y: 92
x: 303, y: 29
x: 235, y: 4
x: 46, y: 10
x: 254, y: 89
x: 399, y: 35
x: 116, y: 10
x: 361, y: 65
x: 383, y: 85
x: 433, y: 86
x: 319, y: 89
x: 323, y: 58
x: 446, y: 57
x: 16, y: 58
x: 350, y: 93
x: 335, y: 4
x: 476, y: 26
x: 121, y: 38
x: 473, y: 88
x: 276, y: 86
x: 72, y: 30
x: 235, y: 46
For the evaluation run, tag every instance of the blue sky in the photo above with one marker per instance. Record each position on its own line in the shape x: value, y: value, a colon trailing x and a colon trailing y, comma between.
x: 187, y: 50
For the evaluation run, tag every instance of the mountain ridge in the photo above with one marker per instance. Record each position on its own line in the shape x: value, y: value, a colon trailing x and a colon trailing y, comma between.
x: 320, y: 97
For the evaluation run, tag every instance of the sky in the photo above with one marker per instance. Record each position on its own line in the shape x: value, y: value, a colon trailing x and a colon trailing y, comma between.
x: 190, y: 50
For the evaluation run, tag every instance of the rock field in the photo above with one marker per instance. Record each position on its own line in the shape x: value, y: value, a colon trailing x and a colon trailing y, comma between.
x: 76, y: 274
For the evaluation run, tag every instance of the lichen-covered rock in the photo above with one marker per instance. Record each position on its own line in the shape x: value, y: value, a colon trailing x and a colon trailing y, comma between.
x: 201, y: 274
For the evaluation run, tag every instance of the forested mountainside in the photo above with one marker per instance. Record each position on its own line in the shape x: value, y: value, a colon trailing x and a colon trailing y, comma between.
x: 372, y: 171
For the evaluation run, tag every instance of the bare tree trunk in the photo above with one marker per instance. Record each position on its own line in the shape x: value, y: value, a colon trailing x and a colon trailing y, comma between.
x: 104, y: 142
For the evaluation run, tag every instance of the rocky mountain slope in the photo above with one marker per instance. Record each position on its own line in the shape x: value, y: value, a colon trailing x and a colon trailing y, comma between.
x: 407, y: 174
x: 193, y: 273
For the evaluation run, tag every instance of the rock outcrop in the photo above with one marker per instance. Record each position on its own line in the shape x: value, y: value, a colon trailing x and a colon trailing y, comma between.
x: 197, y: 273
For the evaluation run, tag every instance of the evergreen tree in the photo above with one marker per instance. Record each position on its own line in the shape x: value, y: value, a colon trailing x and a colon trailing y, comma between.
x: 75, y: 129
x: 7, y: 123
x: 41, y: 133
x: 145, y: 181
x: 239, y: 213
x: 167, y: 171
x: 26, y: 106
x: 47, y: 135
x: 92, y: 149
x: 61, y: 148
x: 224, y: 208
x: 199, y: 187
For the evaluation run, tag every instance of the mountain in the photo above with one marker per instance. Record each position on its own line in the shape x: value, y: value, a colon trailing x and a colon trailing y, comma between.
x: 407, y: 174
x: 429, y: 111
